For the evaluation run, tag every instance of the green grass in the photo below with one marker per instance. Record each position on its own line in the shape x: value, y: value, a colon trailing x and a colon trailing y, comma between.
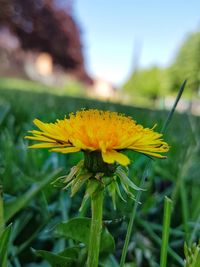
x: 34, y: 206
x: 70, y: 88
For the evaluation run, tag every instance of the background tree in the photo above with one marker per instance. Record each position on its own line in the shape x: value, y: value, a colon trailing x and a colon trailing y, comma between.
x: 187, y: 64
x: 147, y: 83
x: 42, y: 26
x: 155, y: 82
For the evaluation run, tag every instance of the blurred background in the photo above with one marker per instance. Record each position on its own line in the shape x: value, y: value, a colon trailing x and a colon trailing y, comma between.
x: 129, y: 56
x: 137, y: 52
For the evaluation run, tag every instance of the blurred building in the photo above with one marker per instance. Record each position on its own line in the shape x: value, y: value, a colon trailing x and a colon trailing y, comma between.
x: 102, y: 89
x: 184, y: 105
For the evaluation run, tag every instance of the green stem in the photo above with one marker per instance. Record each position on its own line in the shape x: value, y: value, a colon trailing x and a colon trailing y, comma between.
x: 185, y: 208
x: 95, y: 230
x: 133, y: 214
x: 158, y: 241
x: 165, y: 234
x: 2, y: 224
x: 1, y: 210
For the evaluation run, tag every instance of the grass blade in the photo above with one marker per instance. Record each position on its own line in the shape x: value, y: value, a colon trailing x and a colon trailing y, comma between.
x: 158, y: 240
x: 185, y: 208
x: 170, y: 115
x: 130, y: 225
x: 145, y: 174
x: 166, y: 228
x: 11, y: 208
x: 4, y: 243
x: 1, y: 211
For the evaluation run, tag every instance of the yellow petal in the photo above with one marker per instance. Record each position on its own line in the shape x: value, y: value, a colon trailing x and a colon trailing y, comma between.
x: 41, y: 125
x: 153, y: 154
x: 42, y: 145
x: 112, y: 156
x: 66, y: 150
x: 40, y: 138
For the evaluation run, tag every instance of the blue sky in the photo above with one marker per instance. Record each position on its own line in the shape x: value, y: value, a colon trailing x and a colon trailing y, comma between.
x: 117, y: 33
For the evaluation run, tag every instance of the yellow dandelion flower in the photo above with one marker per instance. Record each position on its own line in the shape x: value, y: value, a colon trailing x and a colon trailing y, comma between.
x: 96, y: 130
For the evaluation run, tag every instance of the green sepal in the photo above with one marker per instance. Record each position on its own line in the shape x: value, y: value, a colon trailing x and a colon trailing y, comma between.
x: 124, y: 179
x: 73, y: 172
x: 112, y: 192
x: 126, y: 189
x: 119, y: 192
x: 65, y: 179
x: 79, y: 181
x: 107, y: 180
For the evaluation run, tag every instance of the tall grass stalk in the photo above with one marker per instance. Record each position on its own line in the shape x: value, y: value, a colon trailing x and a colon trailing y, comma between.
x: 181, y: 188
x: 130, y: 225
x: 2, y: 225
x: 165, y: 233
x: 195, y: 230
x: 171, y: 113
x: 158, y: 241
x: 185, y: 208
x: 1, y: 211
x: 138, y: 196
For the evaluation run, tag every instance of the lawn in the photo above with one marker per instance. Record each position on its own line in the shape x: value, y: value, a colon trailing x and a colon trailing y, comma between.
x: 34, y: 208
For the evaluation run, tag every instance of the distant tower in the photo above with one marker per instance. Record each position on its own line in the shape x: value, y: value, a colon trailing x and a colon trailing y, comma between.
x: 137, y: 51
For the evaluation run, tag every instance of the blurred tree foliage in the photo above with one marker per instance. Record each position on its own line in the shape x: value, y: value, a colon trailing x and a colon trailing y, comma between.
x: 156, y: 82
x: 147, y: 83
x: 187, y: 64
x: 42, y: 26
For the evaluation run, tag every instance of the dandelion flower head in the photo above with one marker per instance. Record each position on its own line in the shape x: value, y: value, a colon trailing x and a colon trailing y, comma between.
x: 96, y: 130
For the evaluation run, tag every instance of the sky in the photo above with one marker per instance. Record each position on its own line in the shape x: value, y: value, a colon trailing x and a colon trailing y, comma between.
x: 118, y: 35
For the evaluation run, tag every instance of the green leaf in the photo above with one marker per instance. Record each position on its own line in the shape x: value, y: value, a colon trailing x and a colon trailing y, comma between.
x: 109, y: 262
x: 14, y: 206
x: 79, y: 229
x: 4, y: 109
x: 72, y: 252
x: 4, y: 240
x: 54, y: 259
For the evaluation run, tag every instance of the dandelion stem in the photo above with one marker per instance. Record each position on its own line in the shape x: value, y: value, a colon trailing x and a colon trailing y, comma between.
x: 95, y: 230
